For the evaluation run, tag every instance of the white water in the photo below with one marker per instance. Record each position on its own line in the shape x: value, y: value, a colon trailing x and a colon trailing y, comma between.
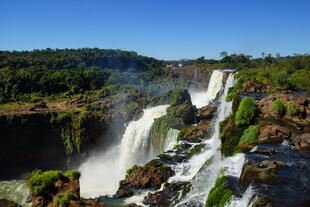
x: 102, y: 172
x: 202, y: 98
x: 171, y: 139
x: 15, y: 190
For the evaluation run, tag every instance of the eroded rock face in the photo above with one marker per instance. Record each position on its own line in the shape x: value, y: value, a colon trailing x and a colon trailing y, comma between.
x: 7, y: 203
x: 273, y: 134
x: 169, y: 195
x: 153, y: 174
x: 254, y: 87
x: 206, y: 113
x: 302, y: 141
x: 194, y: 133
x: 302, y: 118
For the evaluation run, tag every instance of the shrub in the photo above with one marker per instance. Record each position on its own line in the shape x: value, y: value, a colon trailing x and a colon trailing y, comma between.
x: 246, y: 111
x: 74, y: 174
x: 219, y: 195
x: 279, y: 107
x: 179, y: 96
x: 293, y: 109
x: 41, y: 181
x: 63, y: 200
x: 250, y: 135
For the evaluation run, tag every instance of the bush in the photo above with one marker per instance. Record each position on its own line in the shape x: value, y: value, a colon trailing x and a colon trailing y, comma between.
x: 246, y: 111
x: 250, y: 135
x: 41, y: 181
x: 63, y: 200
x: 279, y: 107
x: 179, y: 96
x: 74, y: 174
x: 219, y: 195
x: 293, y: 109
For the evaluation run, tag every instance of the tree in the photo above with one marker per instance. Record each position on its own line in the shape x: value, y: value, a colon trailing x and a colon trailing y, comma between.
x: 223, y: 54
x: 263, y: 54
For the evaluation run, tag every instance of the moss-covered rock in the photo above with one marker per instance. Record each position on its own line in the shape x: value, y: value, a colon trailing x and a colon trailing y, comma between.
x: 151, y: 175
x: 194, y: 133
x: 230, y: 135
x: 219, y: 195
x: 53, y: 188
x: 267, y: 175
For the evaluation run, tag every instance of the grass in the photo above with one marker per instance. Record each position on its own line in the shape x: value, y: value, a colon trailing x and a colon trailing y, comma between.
x: 63, y: 200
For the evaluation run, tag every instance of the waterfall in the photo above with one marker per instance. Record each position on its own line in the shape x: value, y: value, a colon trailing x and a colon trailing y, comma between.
x: 171, y: 139
x: 202, y: 169
x: 15, y: 190
x: 202, y: 98
x: 102, y: 172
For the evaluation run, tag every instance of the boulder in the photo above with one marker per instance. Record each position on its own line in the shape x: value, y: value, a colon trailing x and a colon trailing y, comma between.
x: 152, y: 174
x: 194, y: 133
x: 273, y: 134
x: 302, y: 141
x: 254, y: 87
x: 206, y: 112
x: 170, y: 194
x: 122, y: 193
x: 263, y: 202
x: 261, y: 175
x: 302, y: 102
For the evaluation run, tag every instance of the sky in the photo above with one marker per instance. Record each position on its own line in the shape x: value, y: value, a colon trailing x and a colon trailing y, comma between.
x: 164, y: 29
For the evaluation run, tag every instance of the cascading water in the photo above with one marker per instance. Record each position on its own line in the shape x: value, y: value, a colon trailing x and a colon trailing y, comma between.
x: 202, y: 169
x: 171, y: 139
x: 202, y: 98
x: 102, y: 172
x: 15, y: 190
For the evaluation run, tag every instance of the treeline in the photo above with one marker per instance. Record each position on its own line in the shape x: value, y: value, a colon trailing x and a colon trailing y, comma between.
x: 28, y: 74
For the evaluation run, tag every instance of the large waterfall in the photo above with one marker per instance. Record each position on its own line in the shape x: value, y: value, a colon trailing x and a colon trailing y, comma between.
x: 102, y: 172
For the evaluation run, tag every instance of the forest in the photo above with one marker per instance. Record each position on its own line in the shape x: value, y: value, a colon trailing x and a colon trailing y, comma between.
x: 29, y: 75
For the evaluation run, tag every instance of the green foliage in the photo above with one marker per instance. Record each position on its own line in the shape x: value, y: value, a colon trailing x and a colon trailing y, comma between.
x: 63, y: 200
x: 293, y: 109
x: 246, y: 111
x: 179, y: 96
x: 196, y: 149
x: 279, y: 107
x: 129, y: 171
x: 42, y: 181
x: 74, y: 174
x: 230, y: 135
x: 219, y: 195
x: 250, y: 135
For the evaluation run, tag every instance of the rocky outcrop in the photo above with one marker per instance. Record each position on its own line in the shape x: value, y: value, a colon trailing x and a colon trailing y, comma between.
x: 254, y: 87
x: 52, y: 188
x: 194, y: 133
x: 152, y: 174
x: 170, y: 195
x: 206, y: 113
x: 8, y: 203
x: 273, y: 134
x: 302, y: 141
x: 301, y: 118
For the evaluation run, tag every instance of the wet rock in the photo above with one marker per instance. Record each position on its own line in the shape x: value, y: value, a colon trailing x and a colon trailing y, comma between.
x: 302, y: 141
x: 261, y: 175
x: 32, y: 109
x: 170, y: 194
x: 41, y: 105
x: 273, y: 134
x: 7, y: 203
x: 133, y: 205
x: 271, y: 164
x: 152, y: 174
x: 122, y: 193
x: 263, y: 202
x: 171, y: 159
x: 194, y: 133
x: 206, y: 113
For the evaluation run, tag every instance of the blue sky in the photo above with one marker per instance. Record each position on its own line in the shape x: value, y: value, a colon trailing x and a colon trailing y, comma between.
x: 165, y: 29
